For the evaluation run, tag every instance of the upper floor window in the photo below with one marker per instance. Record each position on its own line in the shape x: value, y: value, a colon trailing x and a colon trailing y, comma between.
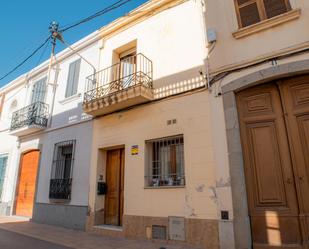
x: 3, y: 164
x: 165, y: 162
x: 253, y: 11
x: 39, y: 91
x: 73, y: 77
x: 61, y: 175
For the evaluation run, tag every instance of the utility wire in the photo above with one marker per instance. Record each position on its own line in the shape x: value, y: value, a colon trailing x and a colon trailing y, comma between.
x: 111, y: 7
x: 26, y: 59
x: 43, y: 53
x: 97, y: 14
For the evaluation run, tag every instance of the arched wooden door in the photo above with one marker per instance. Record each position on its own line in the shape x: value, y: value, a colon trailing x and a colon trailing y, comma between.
x: 274, y: 126
x: 27, y: 183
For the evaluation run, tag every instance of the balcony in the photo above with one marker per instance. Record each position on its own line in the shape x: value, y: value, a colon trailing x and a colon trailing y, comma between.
x: 60, y: 189
x: 125, y: 84
x: 29, y: 119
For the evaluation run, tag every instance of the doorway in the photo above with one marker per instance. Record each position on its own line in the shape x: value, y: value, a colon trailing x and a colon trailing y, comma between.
x: 114, y: 199
x: 274, y: 127
x: 27, y: 183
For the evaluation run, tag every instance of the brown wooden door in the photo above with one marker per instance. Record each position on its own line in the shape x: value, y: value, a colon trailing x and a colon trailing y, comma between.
x: 295, y: 98
x: 27, y: 183
x: 115, y: 186
x: 273, y: 205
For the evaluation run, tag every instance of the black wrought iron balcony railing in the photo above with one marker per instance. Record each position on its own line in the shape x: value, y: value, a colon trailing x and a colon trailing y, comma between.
x: 129, y: 72
x: 60, y: 189
x: 34, y: 114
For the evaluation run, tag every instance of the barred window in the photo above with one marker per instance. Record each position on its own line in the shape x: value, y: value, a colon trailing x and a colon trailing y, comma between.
x: 62, y: 167
x: 165, y: 165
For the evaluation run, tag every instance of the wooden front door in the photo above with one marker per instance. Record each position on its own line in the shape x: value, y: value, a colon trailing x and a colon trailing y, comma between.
x: 27, y: 183
x: 274, y: 125
x: 115, y: 187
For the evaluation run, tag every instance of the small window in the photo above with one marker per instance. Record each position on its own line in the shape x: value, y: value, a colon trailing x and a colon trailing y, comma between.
x: 73, y: 78
x: 165, y: 162
x: 3, y: 164
x: 253, y: 11
x: 61, y: 175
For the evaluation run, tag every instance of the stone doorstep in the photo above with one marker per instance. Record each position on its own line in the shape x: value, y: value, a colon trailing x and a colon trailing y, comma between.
x: 78, y: 239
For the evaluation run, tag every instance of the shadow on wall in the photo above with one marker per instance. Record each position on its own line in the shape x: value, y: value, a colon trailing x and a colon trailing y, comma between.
x: 180, y: 82
x: 70, y: 117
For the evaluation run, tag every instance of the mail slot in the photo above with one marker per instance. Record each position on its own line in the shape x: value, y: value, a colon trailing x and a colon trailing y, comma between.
x: 102, y: 188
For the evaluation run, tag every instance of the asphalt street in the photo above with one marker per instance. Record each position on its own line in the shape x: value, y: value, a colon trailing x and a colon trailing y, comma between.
x: 10, y: 240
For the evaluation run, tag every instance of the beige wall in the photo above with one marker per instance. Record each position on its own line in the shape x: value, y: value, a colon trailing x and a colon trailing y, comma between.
x: 229, y: 51
x: 173, y: 44
x: 133, y: 127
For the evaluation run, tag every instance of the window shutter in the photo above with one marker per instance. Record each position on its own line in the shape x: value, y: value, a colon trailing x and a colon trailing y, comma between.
x: 73, y: 78
x: 249, y: 14
x: 253, y: 11
x: 275, y: 7
x: 3, y: 163
x: 38, y: 91
x: 2, y: 96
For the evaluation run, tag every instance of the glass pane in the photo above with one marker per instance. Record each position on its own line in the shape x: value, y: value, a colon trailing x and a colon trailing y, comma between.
x: 275, y: 7
x: 249, y: 14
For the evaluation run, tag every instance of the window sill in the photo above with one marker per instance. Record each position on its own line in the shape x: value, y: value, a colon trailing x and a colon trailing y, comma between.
x: 266, y: 24
x: 165, y: 187
x: 70, y: 99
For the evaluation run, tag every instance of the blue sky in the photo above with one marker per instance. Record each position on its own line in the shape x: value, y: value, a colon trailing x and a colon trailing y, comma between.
x: 24, y: 26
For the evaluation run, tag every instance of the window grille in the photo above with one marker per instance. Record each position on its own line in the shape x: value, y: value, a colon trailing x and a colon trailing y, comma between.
x: 62, y: 167
x: 3, y: 164
x: 165, y: 162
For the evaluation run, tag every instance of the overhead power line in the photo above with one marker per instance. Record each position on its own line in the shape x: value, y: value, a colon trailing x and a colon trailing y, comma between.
x: 97, y: 14
x: 26, y: 59
x: 111, y: 7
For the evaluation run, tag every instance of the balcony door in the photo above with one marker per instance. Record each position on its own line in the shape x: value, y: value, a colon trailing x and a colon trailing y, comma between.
x: 39, y: 91
x: 127, y: 68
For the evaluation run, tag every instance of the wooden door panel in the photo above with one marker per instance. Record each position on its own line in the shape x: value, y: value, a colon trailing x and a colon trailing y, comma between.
x: 295, y: 98
x: 113, y: 199
x: 27, y: 183
x: 272, y: 199
x: 269, y: 182
x: 122, y: 161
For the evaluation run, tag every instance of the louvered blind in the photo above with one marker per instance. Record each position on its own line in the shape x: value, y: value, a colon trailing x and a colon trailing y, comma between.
x: 253, y: 11
x: 39, y: 91
x: 275, y: 7
x: 3, y: 163
x: 73, y: 78
x: 2, y: 96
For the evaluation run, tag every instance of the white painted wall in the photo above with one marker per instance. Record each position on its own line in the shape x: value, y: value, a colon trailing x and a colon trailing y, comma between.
x: 67, y: 112
x: 80, y: 184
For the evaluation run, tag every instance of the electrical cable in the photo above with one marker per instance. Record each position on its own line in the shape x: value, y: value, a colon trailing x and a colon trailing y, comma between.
x: 222, y: 75
x: 111, y: 7
x: 43, y: 53
x: 97, y: 14
x: 26, y: 59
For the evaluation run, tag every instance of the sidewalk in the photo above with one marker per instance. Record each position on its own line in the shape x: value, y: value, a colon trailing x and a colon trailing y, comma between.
x: 77, y: 239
